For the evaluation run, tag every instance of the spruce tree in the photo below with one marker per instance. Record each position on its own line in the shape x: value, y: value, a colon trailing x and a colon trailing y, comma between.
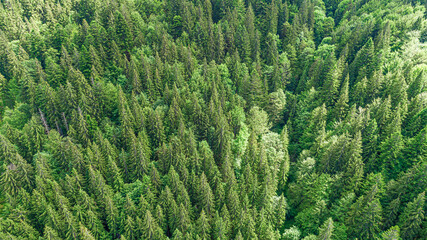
x: 203, y: 227
x: 391, y: 234
x: 411, y: 219
x: 341, y: 106
x: 326, y: 231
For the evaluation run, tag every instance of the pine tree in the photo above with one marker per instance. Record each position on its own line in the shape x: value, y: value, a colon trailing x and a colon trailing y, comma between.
x: 16, y: 172
x: 354, y: 166
x: 205, y: 196
x: 369, y: 225
x: 365, y: 216
x: 161, y: 218
x: 285, y: 163
x: 85, y: 234
x: 111, y: 212
x: 309, y: 219
x: 177, y: 235
x: 363, y: 64
x: 239, y: 236
x: 50, y: 234
x: 332, y: 81
x: 233, y: 204
x: 391, y: 234
x: 156, y: 129
x: 316, y: 127
x: 280, y: 211
x: 140, y: 155
x: 114, y: 175
x: 359, y: 93
x: 395, y: 123
x: 326, y: 231
x: 175, y: 114
x: 391, y: 213
x: 273, y: 18
x: 151, y: 229
x: 276, y: 106
x: 341, y: 105
x: 183, y: 222
x: 203, y: 227
x: 390, y: 154
x: 416, y: 148
x: 292, y: 233
x: 221, y: 141
x: 411, y: 219
x: 265, y: 230
x: 123, y: 31
x: 370, y: 145
x: 9, y: 182
x: 254, y: 88
x: 219, y: 228
x: 417, y: 86
x: 249, y: 230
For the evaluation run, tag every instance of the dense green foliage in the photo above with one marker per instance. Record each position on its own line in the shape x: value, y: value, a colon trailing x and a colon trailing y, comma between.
x: 210, y: 119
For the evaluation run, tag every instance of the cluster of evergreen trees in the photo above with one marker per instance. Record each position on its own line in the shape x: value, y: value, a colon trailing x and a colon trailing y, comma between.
x: 213, y: 119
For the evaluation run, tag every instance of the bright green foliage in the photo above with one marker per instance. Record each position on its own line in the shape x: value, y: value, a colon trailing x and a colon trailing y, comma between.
x: 365, y: 216
x: 390, y: 213
x: 316, y: 128
x: 203, y: 227
x: 412, y: 217
x: 291, y: 234
x: 276, y: 105
x: 326, y: 231
x: 258, y: 121
x: 390, y: 154
x: 364, y: 62
x: 391, y: 234
x: 341, y: 105
x: 213, y: 119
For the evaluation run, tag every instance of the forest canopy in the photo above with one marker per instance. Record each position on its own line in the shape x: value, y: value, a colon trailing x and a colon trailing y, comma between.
x: 213, y: 119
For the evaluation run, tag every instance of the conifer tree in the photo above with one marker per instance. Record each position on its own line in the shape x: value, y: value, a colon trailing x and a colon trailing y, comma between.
x: 285, y: 163
x: 182, y: 219
x: 341, y: 105
x: 416, y: 148
x: 151, y: 229
x: 280, y: 211
x: 213, y: 119
x: 219, y: 228
x: 326, y: 231
x: 316, y: 126
x: 390, y: 154
x: 85, y: 233
x: 354, y: 165
x: 363, y: 64
x: 203, y: 227
x: 365, y: 217
x: 254, y: 88
x: 50, y: 234
x: 292, y: 233
x: 205, y: 196
x: 249, y: 230
x: 411, y: 219
x: 417, y: 85
x: 332, y: 81
x: 391, y: 212
x: 390, y: 234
